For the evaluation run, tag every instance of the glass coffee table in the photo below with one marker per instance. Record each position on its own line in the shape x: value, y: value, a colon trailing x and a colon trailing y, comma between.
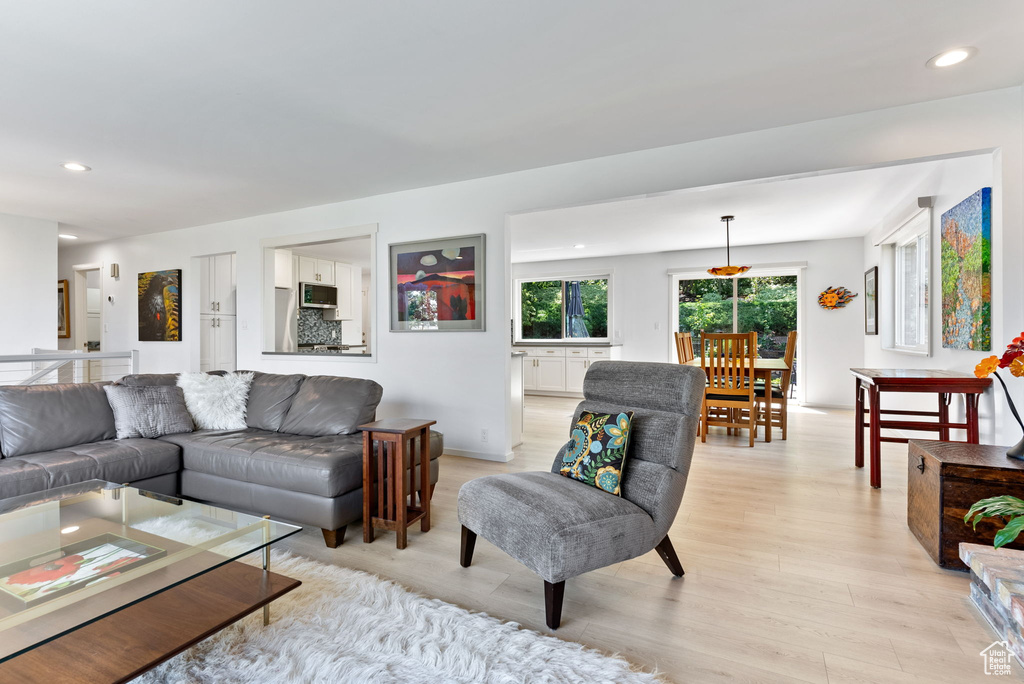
x: 89, y: 569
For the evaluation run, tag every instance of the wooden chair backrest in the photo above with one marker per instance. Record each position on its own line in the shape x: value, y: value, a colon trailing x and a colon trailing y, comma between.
x: 684, y: 346
x: 728, y: 359
x: 791, y: 348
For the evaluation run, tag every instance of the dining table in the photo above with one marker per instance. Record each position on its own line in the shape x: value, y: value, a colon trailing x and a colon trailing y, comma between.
x: 763, y: 369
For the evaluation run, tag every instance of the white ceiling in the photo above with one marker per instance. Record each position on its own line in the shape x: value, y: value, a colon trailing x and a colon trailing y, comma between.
x: 815, y: 207
x: 195, y: 111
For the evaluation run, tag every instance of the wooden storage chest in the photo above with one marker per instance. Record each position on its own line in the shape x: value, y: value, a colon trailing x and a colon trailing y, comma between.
x: 943, y: 480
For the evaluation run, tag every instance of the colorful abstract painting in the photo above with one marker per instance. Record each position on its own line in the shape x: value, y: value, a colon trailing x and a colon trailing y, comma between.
x: 966, y: 273
x: 160, y: 306
x: 435, y: 284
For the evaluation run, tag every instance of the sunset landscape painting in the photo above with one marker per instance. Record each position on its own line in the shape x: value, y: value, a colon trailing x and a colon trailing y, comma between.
x: 436, y: 288
x: 966, y: 273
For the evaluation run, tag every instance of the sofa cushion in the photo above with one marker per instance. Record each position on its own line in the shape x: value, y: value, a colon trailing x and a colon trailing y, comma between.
x: 39, y: 418
x: 148, y: 411
x: 216, y: 402
x: 557, y: 527
x: 124, y: 460
x: 148, y: 379
x: 270, y: 397
x: 329, y: 465
x: 327, y: 405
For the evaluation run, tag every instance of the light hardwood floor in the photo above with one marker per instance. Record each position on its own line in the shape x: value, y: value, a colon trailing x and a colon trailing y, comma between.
x: 796, y: 570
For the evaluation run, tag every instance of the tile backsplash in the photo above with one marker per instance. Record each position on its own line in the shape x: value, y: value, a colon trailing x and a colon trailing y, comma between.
x: 313, y: 329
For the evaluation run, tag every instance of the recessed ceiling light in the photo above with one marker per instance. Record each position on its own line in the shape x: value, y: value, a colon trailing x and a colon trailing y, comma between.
x: 951, y: 57
x: 75, y: 166
x: 578, y: 246
x: 67, y: 236
x: 69, y: 530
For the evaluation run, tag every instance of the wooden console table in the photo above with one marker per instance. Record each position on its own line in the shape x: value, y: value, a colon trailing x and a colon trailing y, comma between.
x: 943, y: 383
x: 386, y: 446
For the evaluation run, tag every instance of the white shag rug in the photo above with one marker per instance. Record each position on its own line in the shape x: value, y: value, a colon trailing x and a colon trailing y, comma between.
x: 345, y: 626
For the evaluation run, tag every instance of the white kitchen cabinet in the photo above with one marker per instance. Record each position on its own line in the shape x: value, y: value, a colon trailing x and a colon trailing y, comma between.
x: 575, y: 369
x: 217, y: 343
x: 313, y: 270
x: 560, y: 370
x: 325, y: 269
x: 283, y: 268
x: 217, y: 284
x: 349, y: 283
x: 529, y: 373
x: 343, y: 281
x: 307, y: 270
x: 551, y: 374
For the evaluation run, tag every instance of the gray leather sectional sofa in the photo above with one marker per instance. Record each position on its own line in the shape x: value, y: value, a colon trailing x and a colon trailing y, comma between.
x: 300, y: 459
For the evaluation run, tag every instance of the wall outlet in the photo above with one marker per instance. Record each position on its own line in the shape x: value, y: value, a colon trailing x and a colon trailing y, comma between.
x: 483, y: 434
x: 657, y: 325
x: 245, y: 324
x: 334, y: 334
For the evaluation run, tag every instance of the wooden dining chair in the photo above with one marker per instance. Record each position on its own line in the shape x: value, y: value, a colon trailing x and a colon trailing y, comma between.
x: 779, y: 397
x: 728, y: 360
x: 684, y: 346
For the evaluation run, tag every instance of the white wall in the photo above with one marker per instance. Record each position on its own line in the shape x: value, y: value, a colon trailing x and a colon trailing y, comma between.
x: 462, y: 378
x: 28, y: 284
x: 948, y: 187
x: 642, y: 305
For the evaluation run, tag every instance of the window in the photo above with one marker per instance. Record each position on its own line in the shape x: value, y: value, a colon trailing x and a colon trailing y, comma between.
x: 563, y: 309
x: 762, y: 304
x: 910, y: 274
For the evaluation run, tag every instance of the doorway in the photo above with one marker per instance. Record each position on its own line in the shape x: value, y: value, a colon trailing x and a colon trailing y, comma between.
x: 765, y: 303
x: 88, y: 320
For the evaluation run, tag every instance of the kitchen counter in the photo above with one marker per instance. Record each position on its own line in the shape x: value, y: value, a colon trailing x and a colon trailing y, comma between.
x: 320, y: 353
x: 562, y: 343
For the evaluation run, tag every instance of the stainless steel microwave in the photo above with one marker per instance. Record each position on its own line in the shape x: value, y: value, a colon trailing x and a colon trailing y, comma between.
x: 317, y: 296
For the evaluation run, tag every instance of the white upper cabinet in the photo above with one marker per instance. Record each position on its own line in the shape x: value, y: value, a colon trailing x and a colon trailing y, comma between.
x: 283, y: 268
x: 217, y: 284
x: 325, y: 270
x: 312, y: 270
x: 307, y: 270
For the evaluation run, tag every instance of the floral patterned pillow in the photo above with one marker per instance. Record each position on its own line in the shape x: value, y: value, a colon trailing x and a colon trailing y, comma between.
x: 596, y: 452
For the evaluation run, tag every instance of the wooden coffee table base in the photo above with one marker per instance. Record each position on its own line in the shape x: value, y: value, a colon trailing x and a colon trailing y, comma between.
x: 123, y: 645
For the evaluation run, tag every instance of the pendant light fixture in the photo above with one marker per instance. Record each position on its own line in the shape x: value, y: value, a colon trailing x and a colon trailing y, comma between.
x: 728, y: 271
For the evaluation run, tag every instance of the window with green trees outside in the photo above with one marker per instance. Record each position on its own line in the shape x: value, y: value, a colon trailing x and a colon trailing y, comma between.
x: 563, y: 309
x: 763, y: 304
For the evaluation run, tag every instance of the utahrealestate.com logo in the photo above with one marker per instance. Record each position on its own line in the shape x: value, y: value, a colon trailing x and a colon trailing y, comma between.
x: 997, y: 658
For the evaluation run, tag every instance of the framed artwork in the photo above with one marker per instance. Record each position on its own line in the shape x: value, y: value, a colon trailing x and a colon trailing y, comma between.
x: 160, y: 306
x: 871, y: 301
x: 437, y: 285
x: 966, y: 247
x: 63, y: 310
x: 75, y: 566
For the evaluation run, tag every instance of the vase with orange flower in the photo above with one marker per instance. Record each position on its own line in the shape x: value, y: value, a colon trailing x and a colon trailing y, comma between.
x: 1012, y: 358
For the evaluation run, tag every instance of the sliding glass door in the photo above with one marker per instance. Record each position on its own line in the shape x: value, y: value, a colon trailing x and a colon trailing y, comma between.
x: 762, y: 304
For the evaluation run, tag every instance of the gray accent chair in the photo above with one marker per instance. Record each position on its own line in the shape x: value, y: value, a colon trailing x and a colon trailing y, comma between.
x: 561, y: 528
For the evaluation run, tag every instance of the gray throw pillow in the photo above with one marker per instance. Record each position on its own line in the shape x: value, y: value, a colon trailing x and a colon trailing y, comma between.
x: 148, y: 411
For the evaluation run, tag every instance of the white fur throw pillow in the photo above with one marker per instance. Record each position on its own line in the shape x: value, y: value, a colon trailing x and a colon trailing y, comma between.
x: 216, y: 402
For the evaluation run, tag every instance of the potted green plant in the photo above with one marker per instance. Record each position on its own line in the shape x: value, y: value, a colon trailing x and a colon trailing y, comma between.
x: 1008, y: 507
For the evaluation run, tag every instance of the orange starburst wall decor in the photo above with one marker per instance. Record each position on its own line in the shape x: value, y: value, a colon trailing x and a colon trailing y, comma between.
x: 835, y: 297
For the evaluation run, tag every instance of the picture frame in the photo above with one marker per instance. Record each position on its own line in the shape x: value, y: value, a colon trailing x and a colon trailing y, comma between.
x: 46, y: 576
x: 159, y: 295
x: 871, y: 301
x: 438, y: 285
x: 63, y: 310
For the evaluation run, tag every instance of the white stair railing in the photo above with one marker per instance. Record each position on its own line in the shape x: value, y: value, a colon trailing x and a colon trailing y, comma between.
x: 47, y: 366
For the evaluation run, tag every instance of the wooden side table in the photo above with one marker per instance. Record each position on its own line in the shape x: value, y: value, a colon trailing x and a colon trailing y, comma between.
x: 875, y: 381
x: 386, y: 445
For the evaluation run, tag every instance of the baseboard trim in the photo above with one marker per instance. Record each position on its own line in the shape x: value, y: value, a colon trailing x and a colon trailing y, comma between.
x: 481, y: 455
x: 544, y: 393
x: 832, y: 406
